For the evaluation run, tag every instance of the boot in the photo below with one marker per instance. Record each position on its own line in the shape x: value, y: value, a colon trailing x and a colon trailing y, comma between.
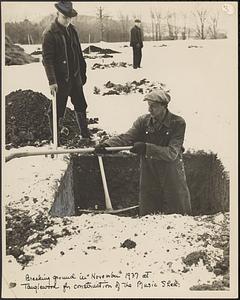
x: 61, y: 128
x: 82, y: 124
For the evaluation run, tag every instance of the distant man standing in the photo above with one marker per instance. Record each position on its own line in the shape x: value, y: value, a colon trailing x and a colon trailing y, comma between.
x: 137, y: 44
x: 65, y: 66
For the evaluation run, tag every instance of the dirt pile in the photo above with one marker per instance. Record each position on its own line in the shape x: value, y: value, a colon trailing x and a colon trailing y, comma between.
x: 99, y: 50
x: 38, y: 234
x: 220, y: 241
x: 37, y: 52
x: 194, y: 46
x: 15, y: 55
x: 162, y: 45
x: 143, y: 86
x: 27, y: 121
x: 111, y: 65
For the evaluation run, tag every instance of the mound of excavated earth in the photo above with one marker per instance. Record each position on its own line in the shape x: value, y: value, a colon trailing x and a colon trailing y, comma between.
x: 27, y: 121
x: 99, y: 50
x: 15, y: 55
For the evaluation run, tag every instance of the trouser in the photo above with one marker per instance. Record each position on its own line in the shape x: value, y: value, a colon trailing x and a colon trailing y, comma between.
x: 137, y: 56
x: 74, y: 89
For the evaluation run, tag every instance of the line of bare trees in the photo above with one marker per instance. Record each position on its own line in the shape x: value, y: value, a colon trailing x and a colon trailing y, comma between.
x: 163, y: 26
x: 200, y: 24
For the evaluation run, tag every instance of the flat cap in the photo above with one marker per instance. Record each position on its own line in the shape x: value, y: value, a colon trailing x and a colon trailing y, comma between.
x: 158, y: 95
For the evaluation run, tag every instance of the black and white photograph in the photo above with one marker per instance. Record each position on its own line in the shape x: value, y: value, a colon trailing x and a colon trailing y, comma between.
x: 119, y: 149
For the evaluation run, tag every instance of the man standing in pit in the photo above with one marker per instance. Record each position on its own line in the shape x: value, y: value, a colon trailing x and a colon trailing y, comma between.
x: 157, y: 138
x: 65, y: 67
x: 137, y: 44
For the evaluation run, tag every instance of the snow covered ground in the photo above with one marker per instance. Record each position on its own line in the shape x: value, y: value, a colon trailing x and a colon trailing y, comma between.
x: 203, y: 89
x: 202, y: 81
x: 163, y: 255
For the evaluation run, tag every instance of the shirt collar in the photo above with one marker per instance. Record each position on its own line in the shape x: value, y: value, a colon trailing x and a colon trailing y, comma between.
x: 166, y: 121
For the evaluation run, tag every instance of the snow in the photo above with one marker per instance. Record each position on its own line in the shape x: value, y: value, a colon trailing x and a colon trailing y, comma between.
x: 202, y: 81
x: 202, y: 92
x: 28, y: 178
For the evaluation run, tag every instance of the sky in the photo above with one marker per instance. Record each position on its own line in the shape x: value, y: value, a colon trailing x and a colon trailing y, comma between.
x: 34, y: 11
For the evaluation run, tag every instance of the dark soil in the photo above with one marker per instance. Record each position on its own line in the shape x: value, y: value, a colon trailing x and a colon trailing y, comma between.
x: 27, y: 121
x: 194, y: 258
x: 37, y: 52
x: 15, y: 55
x: 129, y: 244
x: 19, y: 226
x: 99, y: 50
x: 111, y: 65
x: 128, y: 87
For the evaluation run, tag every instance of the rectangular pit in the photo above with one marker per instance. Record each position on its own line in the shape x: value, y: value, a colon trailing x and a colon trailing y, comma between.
x: 81, y: 187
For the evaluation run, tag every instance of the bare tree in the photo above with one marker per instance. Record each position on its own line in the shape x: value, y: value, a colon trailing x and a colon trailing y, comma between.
x: 125, y: 26
x: 153, y: 24
x: 158, y: 25
x: 170, y: 26
x: 201, y: 18
x: 176, y: 28
x: 184, y: 27
x: 102, y: 19
x: 213, y: 27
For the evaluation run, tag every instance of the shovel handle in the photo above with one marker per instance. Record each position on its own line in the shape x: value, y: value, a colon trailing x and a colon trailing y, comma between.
x: 55, y: 129
x: 105, y: 188
x: 60, y: 151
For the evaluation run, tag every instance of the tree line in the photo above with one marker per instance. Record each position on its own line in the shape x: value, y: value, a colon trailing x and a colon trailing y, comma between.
x: 168, y: 26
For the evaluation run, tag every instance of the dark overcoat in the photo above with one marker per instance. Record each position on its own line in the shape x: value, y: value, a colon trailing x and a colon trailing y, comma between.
x: 163, y: 186
x: 136, y: 37
x: 55, y: 57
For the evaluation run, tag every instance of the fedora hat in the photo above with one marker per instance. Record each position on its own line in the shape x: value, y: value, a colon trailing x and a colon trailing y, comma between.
x: 66, y: 8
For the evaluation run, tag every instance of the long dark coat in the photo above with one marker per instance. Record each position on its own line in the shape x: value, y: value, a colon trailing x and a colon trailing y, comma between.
x: 136, y: 37
x: 163, y: 186
x: 55, y: 57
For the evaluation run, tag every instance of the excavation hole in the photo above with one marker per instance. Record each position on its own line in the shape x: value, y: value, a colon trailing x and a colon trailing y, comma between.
x: 81, y: 187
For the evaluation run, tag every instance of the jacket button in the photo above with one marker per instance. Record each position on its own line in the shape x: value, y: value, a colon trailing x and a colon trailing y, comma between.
x: 64, y: 62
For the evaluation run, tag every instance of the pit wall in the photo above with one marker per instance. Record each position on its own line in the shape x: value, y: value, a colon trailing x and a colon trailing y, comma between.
x: 207, y: 181
x: 64, y: 202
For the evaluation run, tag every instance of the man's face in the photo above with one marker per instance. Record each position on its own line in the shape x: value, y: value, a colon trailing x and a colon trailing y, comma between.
x: 156, y: 109
x: 138, y: 24
x: 64, y: 20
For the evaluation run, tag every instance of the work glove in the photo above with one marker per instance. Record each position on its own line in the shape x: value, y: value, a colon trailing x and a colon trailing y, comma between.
x: 100, y: 148
x: 139, y: 148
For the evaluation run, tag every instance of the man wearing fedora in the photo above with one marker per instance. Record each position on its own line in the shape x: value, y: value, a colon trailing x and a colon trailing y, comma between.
x: 137, y: 44
x: 65, y: 66
x: 157, y: 138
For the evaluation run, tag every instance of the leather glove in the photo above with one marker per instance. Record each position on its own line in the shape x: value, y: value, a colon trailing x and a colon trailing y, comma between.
x: 100, y: 148
x: 139, y: 148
